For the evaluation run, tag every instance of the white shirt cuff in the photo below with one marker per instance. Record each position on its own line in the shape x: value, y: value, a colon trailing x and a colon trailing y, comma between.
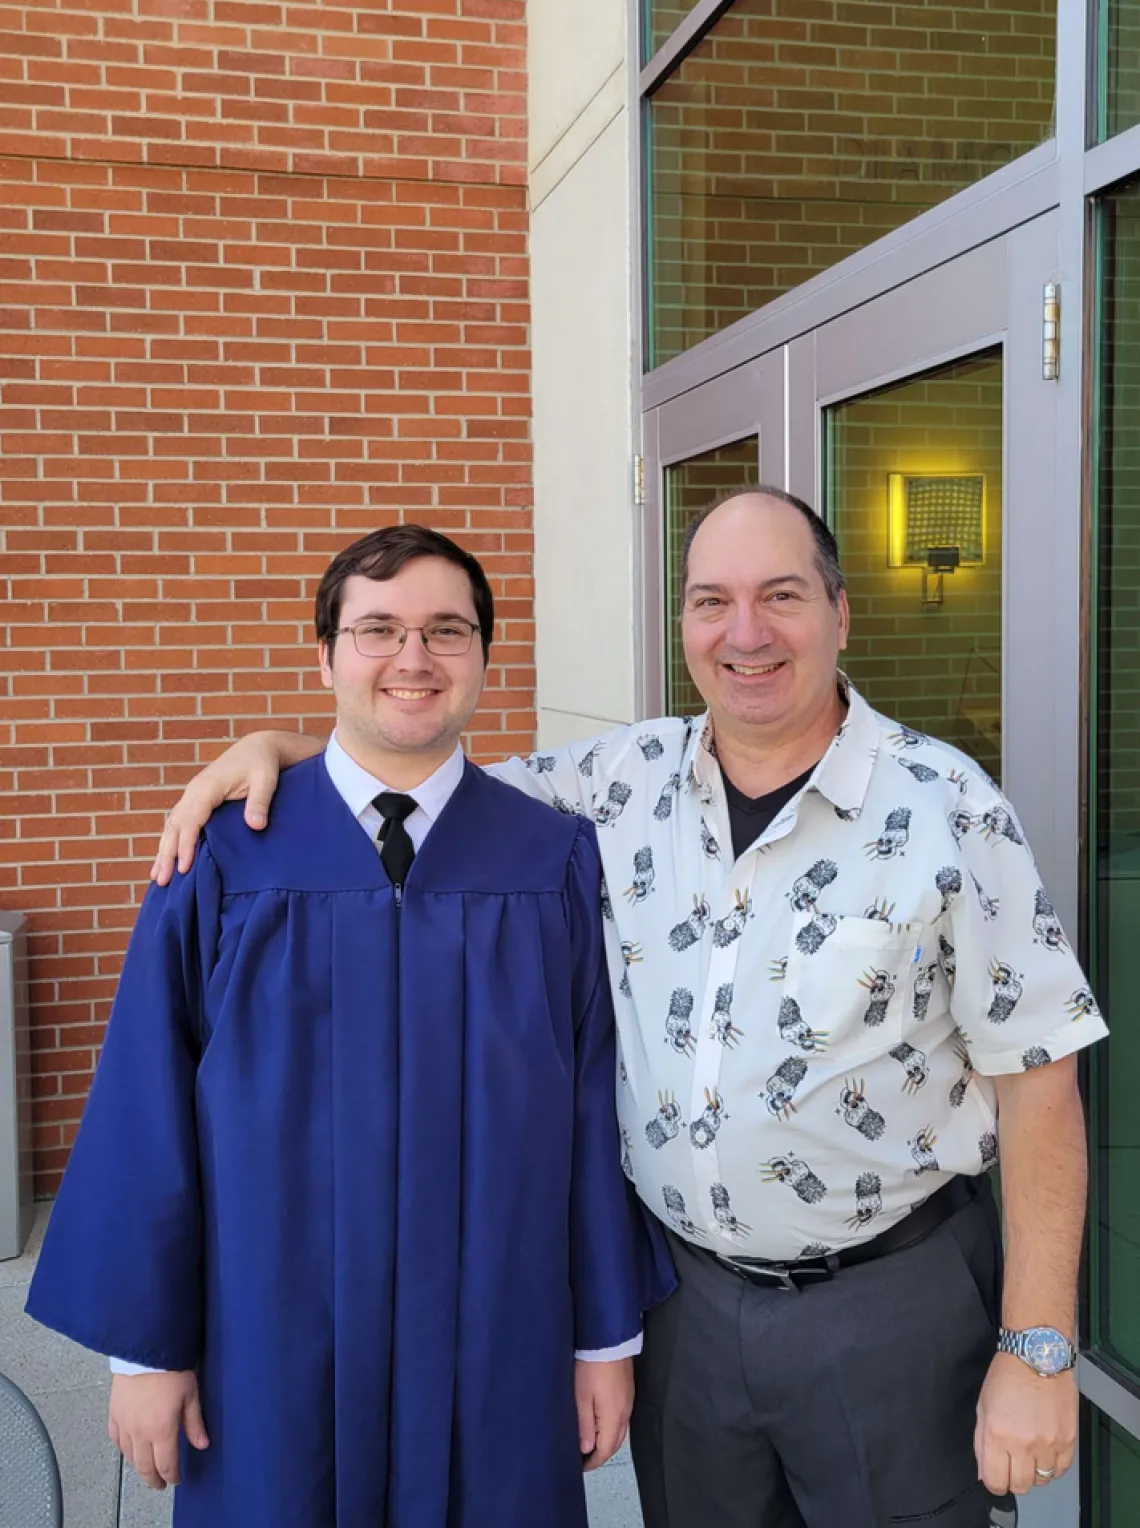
x: 628, y: 1349
x: 122, y: 1366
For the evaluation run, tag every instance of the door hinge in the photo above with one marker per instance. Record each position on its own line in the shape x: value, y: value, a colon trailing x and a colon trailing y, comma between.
x: 1051, y: 331
x: 639, y: 480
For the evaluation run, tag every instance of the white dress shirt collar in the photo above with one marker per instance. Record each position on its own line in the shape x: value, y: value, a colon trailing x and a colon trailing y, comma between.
x: 358, y: 788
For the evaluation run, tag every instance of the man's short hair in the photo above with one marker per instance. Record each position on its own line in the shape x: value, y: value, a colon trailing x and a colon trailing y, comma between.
x: 826, y: 549
x: 380, y: 555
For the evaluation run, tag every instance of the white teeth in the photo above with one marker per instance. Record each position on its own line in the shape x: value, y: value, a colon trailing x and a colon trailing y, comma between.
x: 410, y: 694
x: 766, y: 668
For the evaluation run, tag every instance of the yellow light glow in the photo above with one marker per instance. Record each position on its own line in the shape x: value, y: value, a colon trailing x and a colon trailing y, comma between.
x: 896, y: 519
x: 897, y: 522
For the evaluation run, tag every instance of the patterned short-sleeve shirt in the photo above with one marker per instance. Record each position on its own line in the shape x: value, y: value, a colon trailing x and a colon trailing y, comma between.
x: 806, y: 1033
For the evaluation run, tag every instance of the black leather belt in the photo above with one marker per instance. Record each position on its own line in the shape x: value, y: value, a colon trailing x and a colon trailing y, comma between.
x: 941, y: 1205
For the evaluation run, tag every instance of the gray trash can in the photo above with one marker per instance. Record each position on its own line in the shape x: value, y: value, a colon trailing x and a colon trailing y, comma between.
x: 16, y: 1208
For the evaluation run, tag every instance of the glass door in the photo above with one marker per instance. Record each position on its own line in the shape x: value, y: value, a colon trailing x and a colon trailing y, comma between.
x: 928, y: 442
x: 921, y: 425
x: 722, y: 435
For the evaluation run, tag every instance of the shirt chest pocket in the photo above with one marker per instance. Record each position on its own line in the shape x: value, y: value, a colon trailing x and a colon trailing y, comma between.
x: 850, y: 980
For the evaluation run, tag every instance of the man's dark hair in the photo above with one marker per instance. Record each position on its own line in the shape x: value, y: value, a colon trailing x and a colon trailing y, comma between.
x: 826, y: 550
x: 380, y: 555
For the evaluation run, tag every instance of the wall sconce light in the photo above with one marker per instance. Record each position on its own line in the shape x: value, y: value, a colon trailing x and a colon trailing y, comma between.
x: 936, y: 522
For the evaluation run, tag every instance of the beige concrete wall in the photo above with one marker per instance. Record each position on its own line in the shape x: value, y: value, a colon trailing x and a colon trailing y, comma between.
x: 581, y: 233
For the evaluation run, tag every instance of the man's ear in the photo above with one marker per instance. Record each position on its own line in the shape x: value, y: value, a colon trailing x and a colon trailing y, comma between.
x: 324, y: 654
x: 844, y: 620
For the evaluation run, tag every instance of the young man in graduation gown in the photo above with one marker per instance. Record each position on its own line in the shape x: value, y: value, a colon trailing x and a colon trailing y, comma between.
x: 349, y: 1174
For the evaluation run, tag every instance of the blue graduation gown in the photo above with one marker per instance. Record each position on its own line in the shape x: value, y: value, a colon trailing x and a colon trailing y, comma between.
x: 357, y: 1163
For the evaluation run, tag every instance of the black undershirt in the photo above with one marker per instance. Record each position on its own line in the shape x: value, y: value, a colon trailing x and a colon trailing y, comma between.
x: 749, y: 816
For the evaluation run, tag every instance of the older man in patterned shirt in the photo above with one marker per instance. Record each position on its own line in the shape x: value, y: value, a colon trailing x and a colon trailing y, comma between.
x: 840, y: 986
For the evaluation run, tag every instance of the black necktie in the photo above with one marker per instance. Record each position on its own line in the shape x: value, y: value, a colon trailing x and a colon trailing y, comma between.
x: 396, y: 849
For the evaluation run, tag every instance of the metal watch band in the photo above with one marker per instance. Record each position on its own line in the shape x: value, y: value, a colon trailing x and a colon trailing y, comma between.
x: 1016, y: 1344
x: 1010, y: 1342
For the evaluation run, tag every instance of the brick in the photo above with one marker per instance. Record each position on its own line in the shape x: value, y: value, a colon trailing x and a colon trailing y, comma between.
x: 265, y: 292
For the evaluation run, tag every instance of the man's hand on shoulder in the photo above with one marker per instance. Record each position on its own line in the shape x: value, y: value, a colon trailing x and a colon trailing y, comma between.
x: 247, y: 771
x: 146, y: 1413
x: 604, y: 1396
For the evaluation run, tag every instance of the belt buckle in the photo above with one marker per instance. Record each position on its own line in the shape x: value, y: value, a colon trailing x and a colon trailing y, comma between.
x: 789, y: 1278
x: 784, y: 1275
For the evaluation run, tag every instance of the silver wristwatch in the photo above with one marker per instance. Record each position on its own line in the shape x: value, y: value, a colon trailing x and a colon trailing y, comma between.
x: 1047, y: 1351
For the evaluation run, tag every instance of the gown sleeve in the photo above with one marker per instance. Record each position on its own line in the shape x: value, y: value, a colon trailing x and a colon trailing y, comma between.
x: 120, y: 1268
x: 620, y: 1264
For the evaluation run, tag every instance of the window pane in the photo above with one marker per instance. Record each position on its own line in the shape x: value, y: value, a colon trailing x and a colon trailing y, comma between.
x: 662, y: 18
x: 1116, y: 1477
x: 1116, y: 880
x: 689, y: 486
x: 914, y: 475
x: 1120, y: 71
x: 794, y: 135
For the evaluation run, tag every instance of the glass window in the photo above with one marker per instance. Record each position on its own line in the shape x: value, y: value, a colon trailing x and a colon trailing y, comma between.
x: 913, y: 492
x: 689, y: 486
x: 1115, y: 879
x: 662, y: 18
x: 1119, y: 66
x: 1116, y: 1476
x: 793, y: 136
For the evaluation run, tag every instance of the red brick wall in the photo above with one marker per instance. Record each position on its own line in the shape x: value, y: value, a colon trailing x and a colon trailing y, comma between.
x: 263, y: 287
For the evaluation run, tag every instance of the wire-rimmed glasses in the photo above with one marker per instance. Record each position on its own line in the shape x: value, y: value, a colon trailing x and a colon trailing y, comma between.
x: 449, y: 637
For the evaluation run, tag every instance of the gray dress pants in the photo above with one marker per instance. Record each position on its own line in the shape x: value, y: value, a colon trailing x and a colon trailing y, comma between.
x: 848, y: 1405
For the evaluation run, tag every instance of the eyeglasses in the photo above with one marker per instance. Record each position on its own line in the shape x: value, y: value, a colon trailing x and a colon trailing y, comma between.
x: 450, y: 638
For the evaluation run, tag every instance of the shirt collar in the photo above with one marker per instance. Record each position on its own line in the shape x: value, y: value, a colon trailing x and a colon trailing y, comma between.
x: 844, y: 772
x: 358, y: 787
x: 699, y: 765
x: 842, y: 775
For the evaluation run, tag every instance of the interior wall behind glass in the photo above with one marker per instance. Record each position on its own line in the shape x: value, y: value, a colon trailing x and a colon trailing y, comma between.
x: 800, y: 131
x: 689, y: 487
x: 1116, y: 884
x: 1119, y: 522
x: 662, y: 18
x: 1121, y: 64
x: 936, y: 668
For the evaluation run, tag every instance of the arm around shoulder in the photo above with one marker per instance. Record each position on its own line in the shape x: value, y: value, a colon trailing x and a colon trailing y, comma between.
x: 247, y: 771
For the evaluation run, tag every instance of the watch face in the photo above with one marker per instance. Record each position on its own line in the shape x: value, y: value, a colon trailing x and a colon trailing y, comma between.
x: 1046, y: 1349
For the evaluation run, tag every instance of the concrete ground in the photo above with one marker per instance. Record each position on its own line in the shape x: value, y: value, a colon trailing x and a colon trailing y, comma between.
x: 69, y: 1387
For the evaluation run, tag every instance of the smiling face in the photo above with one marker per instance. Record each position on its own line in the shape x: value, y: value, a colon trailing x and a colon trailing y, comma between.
x: 401, y: 717
x: 762, y: 639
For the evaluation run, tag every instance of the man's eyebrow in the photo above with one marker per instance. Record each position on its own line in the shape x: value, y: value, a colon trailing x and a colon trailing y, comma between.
x: 769, y: 583
x: 437, y: 615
